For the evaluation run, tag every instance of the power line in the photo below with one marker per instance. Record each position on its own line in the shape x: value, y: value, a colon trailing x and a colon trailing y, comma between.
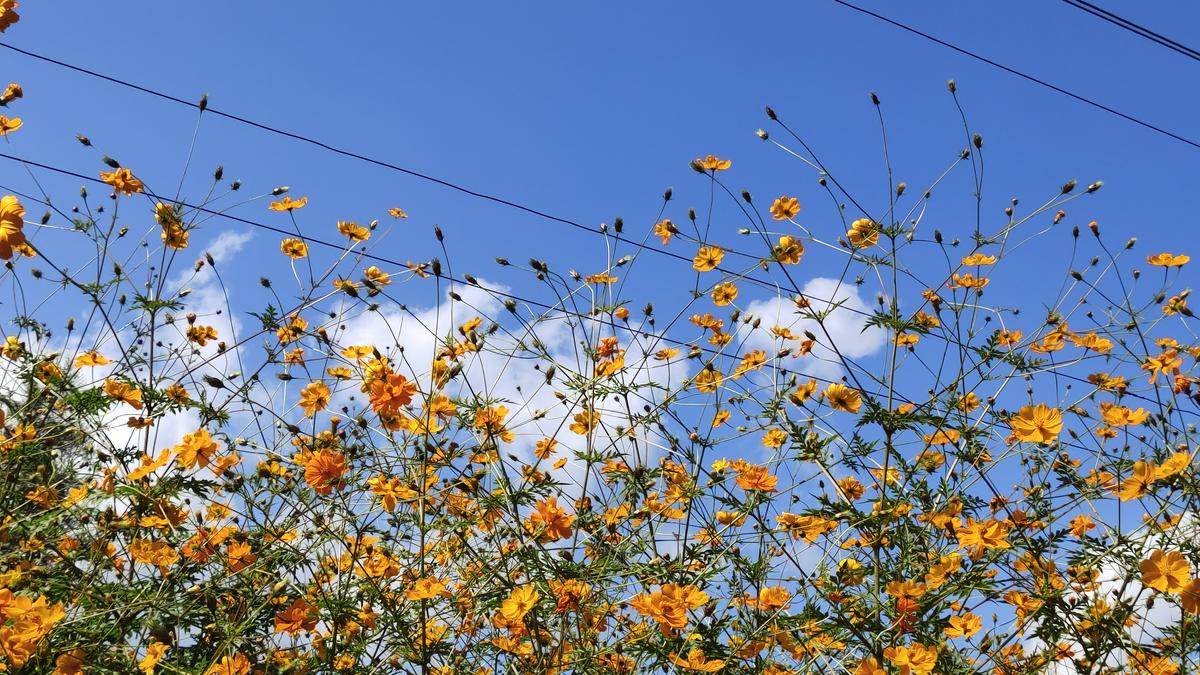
x: 1025, y: 76
x: 364, y: 158
x: 1138, y: 29
x: 535, y: 303
x: 767, y: 284
x: 389, y: 261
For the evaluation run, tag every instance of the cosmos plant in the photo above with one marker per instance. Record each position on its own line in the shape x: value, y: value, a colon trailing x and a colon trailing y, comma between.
x: 400, y: 467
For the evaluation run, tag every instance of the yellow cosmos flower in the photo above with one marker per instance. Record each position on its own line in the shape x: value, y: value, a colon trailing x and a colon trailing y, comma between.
x: 12, y: 223
x: 91, y: 359
x: 288, y: 204
x: 724, y: 293
x: 353, y: 231
x: 314, y: 398
x: 1036, y: 424
x: 785, y: 207
x: 10, y: 124
x: 841, y: 397
x: 123, y: 181
x: 976, y: 259
x: 714, y: 163
x: 519, y: 602
x: 863, y: 232
x: 1168, y: 260
x: 789, y: 250
x: 697, y: 662
x: 707, y: 258
x: 294, y: 248
x: 664, y: 230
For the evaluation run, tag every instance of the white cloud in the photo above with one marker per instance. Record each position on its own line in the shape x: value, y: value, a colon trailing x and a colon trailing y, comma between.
x: 507, y: 369
x: 843, y: 327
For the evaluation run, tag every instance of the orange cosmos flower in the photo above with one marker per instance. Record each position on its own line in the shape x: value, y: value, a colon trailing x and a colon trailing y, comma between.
x: 323, y: 470
x: 298, y: 617
x: 550, y: 521
x: 391, y: 392
x: 665, y: 229
x: 1167, y: 363
x: 697, y: 662
x: 91, y: 359
x: 237, y: 664
x: 757, y: 478
x: 11, y: 93
x: 964, y: 626
x: 196, y: 449
x: 8, y: 14
x: 981, y: 535
x: 294, y: 248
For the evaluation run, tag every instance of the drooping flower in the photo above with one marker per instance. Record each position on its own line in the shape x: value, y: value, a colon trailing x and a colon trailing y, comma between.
x: 789, y: 250
x: 10, y: 124
x: 863, y: 232
x: 12, y: 222
x: 664, y: 230
x: 123, y: 181
x: 8, y: 14
x: 353, y: 231
x: 841, y: 397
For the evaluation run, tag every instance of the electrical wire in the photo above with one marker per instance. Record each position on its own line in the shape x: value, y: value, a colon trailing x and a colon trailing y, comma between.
x: 1138, y: 29
x: 1025, y: 76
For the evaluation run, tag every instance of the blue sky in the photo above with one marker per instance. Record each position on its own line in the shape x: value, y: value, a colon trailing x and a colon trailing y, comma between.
x: 590, y: 113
